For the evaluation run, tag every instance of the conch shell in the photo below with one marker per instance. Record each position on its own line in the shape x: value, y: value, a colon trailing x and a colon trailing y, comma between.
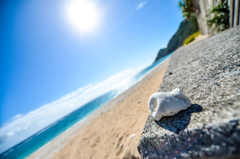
x: 167, y: 103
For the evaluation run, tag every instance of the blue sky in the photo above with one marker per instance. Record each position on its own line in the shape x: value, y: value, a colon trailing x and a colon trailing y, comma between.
x: 44, y: 58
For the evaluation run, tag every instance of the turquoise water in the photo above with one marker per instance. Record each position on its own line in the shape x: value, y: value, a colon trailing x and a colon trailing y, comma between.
x: 45, y: 135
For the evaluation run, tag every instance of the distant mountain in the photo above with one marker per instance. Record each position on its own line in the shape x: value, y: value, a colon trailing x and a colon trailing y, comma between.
x: 186, y: 28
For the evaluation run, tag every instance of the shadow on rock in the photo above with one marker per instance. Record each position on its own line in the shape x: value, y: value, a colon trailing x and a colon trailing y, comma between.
x: 179, y: 121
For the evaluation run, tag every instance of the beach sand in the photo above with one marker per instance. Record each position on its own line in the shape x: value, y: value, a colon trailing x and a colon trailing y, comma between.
x: 113, y: 130
x: 200, y: 37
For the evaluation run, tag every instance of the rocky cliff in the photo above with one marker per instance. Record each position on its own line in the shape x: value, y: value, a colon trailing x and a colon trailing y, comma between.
x: 186, y: 28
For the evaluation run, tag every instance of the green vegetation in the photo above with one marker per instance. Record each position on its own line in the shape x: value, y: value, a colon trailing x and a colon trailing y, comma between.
x: 189, y: 8
x: 186, y: 28
x: 191, y: 38
x: 218, y: 17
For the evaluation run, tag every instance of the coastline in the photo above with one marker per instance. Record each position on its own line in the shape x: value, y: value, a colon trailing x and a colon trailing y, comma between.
x: 57, y: 144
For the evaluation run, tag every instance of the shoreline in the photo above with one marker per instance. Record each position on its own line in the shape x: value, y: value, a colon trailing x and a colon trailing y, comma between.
x: 57, y: 144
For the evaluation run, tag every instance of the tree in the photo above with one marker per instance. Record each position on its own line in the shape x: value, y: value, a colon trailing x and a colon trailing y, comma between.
x: 192, y: 8
x: 218, y: 17
x: 189, y: 8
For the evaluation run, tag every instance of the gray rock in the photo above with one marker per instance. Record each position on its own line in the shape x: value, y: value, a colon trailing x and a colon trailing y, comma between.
x: 208, y: 72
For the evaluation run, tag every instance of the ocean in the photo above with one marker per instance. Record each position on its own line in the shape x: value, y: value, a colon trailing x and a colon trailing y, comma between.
x: 36, y: 141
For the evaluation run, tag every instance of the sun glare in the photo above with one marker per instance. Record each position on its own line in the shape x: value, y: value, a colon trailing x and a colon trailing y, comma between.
x: 82, y: 15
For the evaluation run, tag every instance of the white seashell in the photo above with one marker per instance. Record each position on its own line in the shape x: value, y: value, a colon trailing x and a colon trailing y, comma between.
x: 167, y: 103
x: 132, y: 136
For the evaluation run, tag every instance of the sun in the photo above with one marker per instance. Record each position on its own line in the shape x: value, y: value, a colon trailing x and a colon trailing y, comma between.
x: 82, y: 15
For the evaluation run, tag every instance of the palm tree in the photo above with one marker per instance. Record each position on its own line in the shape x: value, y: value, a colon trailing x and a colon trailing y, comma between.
x: 192, y: 8
x: 189, y: 8
x: 218, y: 17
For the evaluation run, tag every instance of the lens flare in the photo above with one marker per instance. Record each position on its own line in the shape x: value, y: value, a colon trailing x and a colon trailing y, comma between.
x: 82, y: 15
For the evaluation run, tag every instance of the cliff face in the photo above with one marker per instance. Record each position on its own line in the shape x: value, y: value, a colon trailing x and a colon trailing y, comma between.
x: 186, y: 28
x: 208, y: 72
x: 161, y: 53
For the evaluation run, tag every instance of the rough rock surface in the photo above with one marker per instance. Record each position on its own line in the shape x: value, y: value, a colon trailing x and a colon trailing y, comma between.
x: 208, y: 72
x: 162, y: 104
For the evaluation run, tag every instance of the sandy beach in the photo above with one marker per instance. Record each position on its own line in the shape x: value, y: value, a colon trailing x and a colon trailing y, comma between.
x: 113, y: 130
x: 200, y: 37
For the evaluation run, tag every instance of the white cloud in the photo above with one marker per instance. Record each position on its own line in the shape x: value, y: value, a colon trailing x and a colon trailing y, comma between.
x: 21, y: 127
x: 141, y: 5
